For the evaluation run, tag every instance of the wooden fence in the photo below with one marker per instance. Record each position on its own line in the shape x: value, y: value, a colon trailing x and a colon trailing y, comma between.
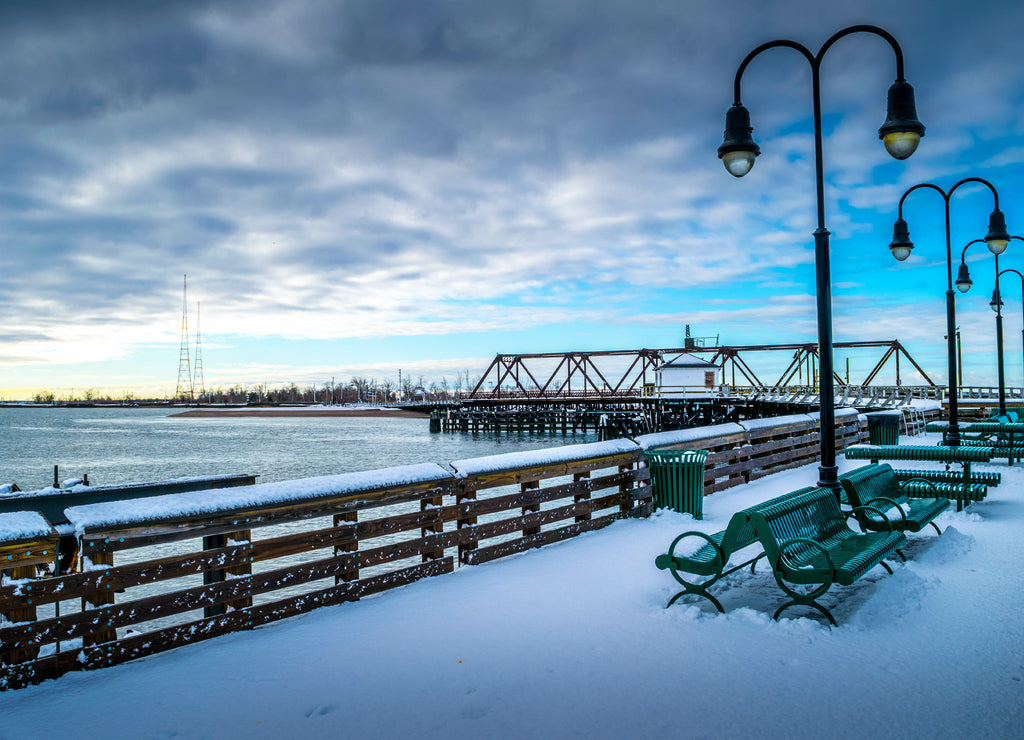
x: 748, y: 450
x: 159, y: 573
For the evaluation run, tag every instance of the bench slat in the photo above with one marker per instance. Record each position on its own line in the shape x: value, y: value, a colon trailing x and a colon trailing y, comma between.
x: 738, y: 535
x: 920, y: 453
x: 864, y: 485
x: 949, y: 476
x: 795, y: 531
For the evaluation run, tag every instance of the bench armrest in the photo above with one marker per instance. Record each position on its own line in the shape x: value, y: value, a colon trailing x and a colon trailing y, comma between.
x: 781, y: 559
x: 669, y: 562
x: 892, y: 504
x: 885, y: 520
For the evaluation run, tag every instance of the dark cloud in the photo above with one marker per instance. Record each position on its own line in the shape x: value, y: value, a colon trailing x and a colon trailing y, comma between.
x: 304, y: 153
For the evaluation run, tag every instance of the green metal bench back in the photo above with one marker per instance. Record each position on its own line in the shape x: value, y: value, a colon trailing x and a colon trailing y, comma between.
x: 747, y: 534
x: 956, y: 491
x: 811, y: 513
x: 1003, y: 425
x: 919, y: 453
x: 871, y: 481
x: 739, y: 533
x: 950, y: 476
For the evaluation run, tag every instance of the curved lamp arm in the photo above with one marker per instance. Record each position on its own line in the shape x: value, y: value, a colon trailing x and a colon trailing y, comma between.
x: 997, y: 297
x: 997, y: 237
x: 901, y: 132
x: 963, y: 276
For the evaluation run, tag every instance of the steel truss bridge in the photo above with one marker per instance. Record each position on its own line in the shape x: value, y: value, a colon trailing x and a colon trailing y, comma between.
x: 630, y: 373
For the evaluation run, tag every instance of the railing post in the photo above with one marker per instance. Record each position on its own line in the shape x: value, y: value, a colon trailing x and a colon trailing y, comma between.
x: 625, y: 489
x: 582, y: 495
x: 26, y: 613
x: 243, y: 538
x: 465, y: 492
x: 94, y: 555
x: 348, y: 517
x: 435, y: 503
x: 526, y: 487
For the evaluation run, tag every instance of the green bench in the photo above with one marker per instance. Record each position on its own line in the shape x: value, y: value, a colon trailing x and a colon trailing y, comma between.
x: 918, y: 453
x: 807, y: 542
x: 878, y: 485
x: 963, y: 489
x: 711, y: 559
x: 1005, y: 437
x: 949, y: 476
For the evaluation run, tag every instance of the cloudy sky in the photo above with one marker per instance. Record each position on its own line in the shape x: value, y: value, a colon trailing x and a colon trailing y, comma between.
x: 354, y: 187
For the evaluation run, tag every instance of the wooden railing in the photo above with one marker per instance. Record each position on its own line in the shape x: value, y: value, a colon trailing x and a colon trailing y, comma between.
x: 748, y: 450
x: 164, y: 572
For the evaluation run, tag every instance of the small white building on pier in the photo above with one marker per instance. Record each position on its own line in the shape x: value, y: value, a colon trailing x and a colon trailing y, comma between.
x: 686, y: 376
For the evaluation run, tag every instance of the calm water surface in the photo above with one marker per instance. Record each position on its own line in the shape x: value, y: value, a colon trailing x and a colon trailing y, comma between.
x: 137, y: 445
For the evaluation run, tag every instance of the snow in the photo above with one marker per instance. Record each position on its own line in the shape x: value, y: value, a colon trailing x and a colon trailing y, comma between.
x: 574, y: 640
x: 23, y: 525
x: 77, y: 485
x: 538, y: 458
x: 752, y: 424
x: 684, y: 436
x: 196, y: 503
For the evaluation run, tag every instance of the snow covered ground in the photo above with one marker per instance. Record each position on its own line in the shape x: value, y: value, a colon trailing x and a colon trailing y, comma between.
x: 573, y: 641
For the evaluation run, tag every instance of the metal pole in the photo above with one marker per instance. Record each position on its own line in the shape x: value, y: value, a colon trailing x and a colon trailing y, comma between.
x: 828, y: 471
x: 999, y: 355
x: 953, y: 436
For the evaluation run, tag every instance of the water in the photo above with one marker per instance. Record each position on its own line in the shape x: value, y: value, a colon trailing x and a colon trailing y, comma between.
x: 129, y: 445
x: 126, y: 445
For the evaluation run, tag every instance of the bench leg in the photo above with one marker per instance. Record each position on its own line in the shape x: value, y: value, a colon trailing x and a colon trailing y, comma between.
x: 936, y: 527
x: 697, y: 592
x: 804, y: 599
x: 811, y: 603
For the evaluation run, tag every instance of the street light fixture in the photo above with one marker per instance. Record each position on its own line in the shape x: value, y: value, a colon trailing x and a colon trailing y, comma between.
x: 996, y: 240
x: 900, y: 134
x: 994, y: 304
x: 997, y: 300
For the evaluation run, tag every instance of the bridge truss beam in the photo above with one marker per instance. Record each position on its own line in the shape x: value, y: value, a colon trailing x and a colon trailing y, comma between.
x: 579, y: 374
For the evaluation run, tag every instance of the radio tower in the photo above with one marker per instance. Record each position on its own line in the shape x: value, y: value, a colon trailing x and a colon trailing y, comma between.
x: 197, y: 374
x: 184, y: 389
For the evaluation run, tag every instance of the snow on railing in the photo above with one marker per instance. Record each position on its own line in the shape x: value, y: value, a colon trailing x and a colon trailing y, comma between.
x: 135, y: 577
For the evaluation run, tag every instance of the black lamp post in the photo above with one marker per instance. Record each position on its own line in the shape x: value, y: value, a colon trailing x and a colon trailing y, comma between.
x: 900, y: 133
x: 996, y: 305
x: 963, y: 284
x: 996, y: 239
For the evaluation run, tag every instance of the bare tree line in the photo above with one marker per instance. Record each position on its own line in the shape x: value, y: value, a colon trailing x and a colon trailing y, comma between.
x: 357, y: 390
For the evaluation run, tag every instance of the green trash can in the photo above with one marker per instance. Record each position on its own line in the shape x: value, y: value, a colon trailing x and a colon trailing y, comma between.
x: 884, y: 427
x: 677, y: 480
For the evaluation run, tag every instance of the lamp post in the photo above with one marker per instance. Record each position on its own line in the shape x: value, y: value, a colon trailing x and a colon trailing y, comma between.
x: 963, y: 284
x: 900, y: 134
x: 997, y: 238
x: 996, y: 304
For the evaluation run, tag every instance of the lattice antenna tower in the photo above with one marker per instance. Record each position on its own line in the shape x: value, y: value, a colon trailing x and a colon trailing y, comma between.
x: 197, y: 374
x: 184, y: 388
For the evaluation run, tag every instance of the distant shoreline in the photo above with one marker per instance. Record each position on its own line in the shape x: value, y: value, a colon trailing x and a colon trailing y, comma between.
x: 301, y: 412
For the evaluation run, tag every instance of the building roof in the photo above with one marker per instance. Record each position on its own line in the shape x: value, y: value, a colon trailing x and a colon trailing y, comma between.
x: 688, y: 360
